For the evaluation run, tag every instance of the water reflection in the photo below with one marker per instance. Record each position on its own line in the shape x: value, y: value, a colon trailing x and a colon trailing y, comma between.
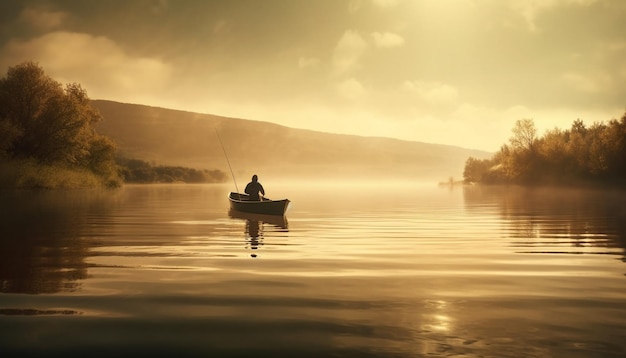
x: 419, y: 273
x: 557, y: 221
x: 436, y: 317
x: 253, y: 236
x: 255, y: 227
x: 43, y: 249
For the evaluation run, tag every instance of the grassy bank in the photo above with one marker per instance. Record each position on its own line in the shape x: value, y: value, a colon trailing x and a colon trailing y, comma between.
x: 25, y: 174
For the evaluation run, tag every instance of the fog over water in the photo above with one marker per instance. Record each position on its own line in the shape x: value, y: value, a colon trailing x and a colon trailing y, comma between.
x: 352, y: 270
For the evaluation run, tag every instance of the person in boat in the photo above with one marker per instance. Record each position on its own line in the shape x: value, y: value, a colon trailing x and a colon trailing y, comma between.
x: 254, y: 188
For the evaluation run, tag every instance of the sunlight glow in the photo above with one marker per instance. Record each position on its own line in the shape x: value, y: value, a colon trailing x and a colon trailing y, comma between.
x: 440, y: 319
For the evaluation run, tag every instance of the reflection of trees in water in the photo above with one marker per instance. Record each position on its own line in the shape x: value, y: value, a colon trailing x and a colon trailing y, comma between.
x: 543, y: 216
x: 40, y: 266
x: 41, y: 244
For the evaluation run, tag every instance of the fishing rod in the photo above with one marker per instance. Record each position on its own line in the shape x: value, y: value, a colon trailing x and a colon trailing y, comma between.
x: 227, y: 161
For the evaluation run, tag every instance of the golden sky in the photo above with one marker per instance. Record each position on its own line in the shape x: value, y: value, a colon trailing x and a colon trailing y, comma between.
x: 455, y: 72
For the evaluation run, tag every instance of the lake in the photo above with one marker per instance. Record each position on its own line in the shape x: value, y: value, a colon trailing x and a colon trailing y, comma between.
x: 381, y: 270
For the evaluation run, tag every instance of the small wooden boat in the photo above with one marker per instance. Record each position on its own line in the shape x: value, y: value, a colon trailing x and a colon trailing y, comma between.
x: 242, y: 202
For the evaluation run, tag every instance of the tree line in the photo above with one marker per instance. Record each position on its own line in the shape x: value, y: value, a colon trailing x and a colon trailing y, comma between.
x: 140, y: 171
x: 48, y: 140
x: 580, y: 155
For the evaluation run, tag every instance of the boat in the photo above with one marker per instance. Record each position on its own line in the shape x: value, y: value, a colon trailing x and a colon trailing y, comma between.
x: 265, y: 206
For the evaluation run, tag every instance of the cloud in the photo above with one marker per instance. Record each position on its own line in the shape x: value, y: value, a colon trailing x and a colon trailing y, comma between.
x: 594, y: 83
x: 348, y: 51
x: 159, y: 6
x: 42, y: 19
x: 432, y: 92
x: 530, y: 9
x: 614, y: 55
x: 222, y: 26
x: 97, y: 63
x: 387, y: 40
x: 354, y: 6
x: 351, y: 89
x: 385, y: 3
x: 307, y: 62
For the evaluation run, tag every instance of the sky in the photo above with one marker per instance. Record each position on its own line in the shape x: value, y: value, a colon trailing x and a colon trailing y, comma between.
x: 457, y: 72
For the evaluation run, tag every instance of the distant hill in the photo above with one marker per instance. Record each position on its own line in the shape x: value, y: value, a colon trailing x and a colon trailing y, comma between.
x: 173, y: 137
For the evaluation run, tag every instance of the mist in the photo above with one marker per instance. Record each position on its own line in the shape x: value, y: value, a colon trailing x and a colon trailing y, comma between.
x: 273, y: 152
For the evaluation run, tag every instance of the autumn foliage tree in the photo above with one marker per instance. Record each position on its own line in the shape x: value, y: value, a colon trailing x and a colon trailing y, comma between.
x: 51, y: 124
x: 579, y: 155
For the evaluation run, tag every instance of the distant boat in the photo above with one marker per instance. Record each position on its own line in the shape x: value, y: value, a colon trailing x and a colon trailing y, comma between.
x: 241, y: 202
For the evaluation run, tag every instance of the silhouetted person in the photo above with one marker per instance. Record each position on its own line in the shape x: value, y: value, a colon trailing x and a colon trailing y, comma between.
x: 254, y: 187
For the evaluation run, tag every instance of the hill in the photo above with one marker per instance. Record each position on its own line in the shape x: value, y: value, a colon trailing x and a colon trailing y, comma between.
x: 173, y: 137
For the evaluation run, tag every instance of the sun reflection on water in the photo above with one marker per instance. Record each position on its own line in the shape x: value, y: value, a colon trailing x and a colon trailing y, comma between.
x: 437, y: 318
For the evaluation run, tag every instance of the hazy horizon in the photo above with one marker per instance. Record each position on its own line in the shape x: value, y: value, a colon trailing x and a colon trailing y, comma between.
x: 270, y: 149
x: 457, y: 73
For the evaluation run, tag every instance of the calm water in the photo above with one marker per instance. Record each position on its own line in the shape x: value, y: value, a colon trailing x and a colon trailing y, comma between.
x: 425, y: 271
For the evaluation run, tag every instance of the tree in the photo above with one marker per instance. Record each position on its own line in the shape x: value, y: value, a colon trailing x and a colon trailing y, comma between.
x: 524, y: 135
x: 8, y: 133
x: 581, y: 155
x: 579, y: 127
x: 53, y: 125
x: 475, y: 169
